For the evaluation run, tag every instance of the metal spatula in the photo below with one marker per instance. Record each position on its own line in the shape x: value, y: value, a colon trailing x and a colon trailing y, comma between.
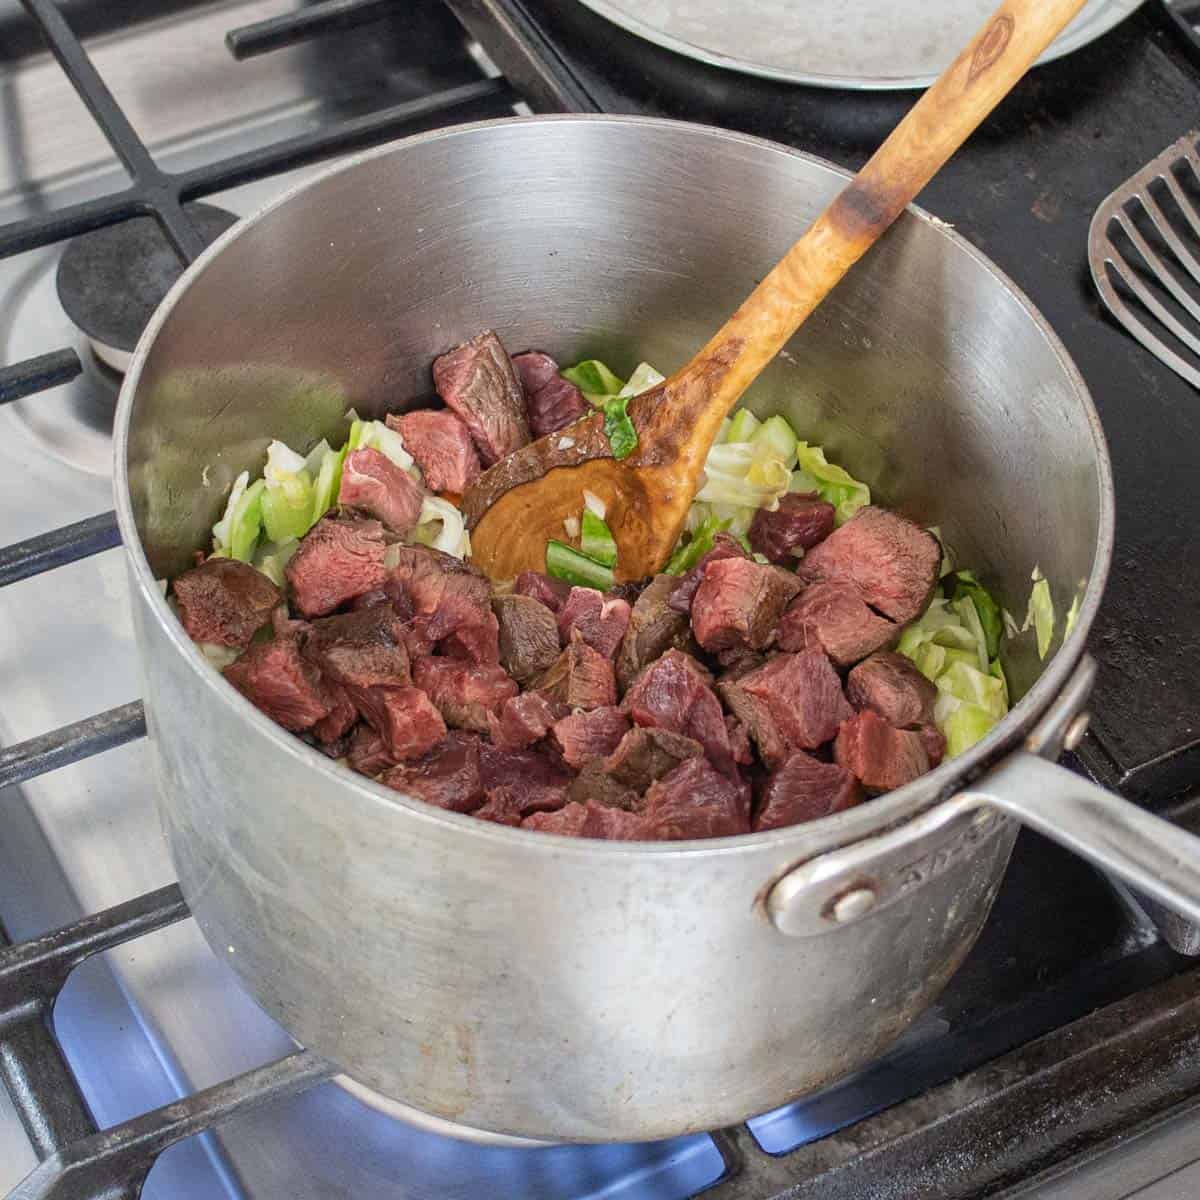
x: 1144, y: 252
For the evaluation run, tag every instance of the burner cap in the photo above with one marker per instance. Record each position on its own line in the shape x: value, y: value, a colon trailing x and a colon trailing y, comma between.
x: 111, y: 281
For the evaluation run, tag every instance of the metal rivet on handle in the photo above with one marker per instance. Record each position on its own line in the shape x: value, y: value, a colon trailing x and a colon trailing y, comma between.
x: 852, y: 904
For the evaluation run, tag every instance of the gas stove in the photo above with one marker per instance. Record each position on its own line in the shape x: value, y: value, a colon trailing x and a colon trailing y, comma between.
x: 1062, y: 1061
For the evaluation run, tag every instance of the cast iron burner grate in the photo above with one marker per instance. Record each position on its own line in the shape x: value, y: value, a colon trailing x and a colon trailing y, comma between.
x: 1017, y: 1072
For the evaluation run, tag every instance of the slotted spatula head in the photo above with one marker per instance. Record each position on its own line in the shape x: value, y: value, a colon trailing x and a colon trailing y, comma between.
x: 1144, y: 253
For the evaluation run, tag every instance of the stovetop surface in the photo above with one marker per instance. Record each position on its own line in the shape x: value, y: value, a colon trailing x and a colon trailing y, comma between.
x: 160, y: 1016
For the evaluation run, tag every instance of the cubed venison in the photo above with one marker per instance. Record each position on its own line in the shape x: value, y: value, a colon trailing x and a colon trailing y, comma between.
x: 803, y: 789
x: 695, y: 801
x: 579, y: 678
x: 374, y: 485
x: 275, y: 678
x: 799, y: 523
x: 893, y: 563
x: 502, y: 807
x: 934, y: 742
x: 404, y: 717
x: 589, y: 820
x: 554, y: 406
x: 531, y: 778
x: 534, y: 370
x: 833, y: 617
x: 673, y: 693
x: 890, y: 685
x: 447, y: 776
x: 378, y: 596
x: 441, y: 445
x: 477, y: 381
x: 739, y: 740
x: 645, y: 754
x: 528, y: 636
x: 450, y: 602
x: 879, y: 755
x: 595, y: 784
x: 739, y: 602
x: 365, y: 648
x: 462, y: 693
x: 654, y: 628
x: 550, y: 592
x: 582, y: 736
x: 341, y: 717
x: 523, y: 720
x: 224, y: 602
x: 338, y: 559
x: 723, y: 546
x: 601, y: 620
x: 793, y: 702
x: 367, y: 753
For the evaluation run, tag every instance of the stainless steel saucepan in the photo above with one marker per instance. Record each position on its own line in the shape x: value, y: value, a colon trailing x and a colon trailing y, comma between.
x: 534, y: 985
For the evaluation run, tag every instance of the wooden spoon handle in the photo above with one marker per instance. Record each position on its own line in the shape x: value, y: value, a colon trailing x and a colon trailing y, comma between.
x: 941, y: 120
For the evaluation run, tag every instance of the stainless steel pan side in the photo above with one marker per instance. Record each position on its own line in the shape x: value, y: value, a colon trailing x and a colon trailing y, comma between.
x: 530, y: 984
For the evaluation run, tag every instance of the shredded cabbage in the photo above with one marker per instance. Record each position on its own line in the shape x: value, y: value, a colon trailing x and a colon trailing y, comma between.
x: 287, y: 502
x: 452, y: 536
x: 1041, y: 612
x: 223, y: 528
x: 594, y: 380
x: 272, y: 557
x: 832, y: 483
x: 644, y: 377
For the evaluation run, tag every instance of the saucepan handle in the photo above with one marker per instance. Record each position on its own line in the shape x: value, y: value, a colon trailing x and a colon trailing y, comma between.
x: 1152, y: 855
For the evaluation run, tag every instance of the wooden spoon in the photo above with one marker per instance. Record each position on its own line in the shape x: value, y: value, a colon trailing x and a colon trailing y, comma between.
x: 520, y: 503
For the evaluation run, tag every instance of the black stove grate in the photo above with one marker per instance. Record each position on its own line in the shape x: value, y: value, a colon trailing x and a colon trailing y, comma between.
x: 1044, y: 1080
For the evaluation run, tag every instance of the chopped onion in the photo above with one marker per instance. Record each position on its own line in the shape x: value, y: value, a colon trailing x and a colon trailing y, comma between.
x: 593, y: 502
x: 452, y: 537
x: 571, y: 525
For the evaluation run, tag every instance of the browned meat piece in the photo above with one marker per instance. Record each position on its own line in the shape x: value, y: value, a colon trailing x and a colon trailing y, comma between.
x: 535, y: 370
x: 739, y: 740
x: 531, y: 780
x: 374, y: 485
x: 589, y: 820
x: 340, y: 718
x: 367, y: 753
x: 934, y: 743
x: 502, y: 807
x: 224, y: 602
x: 600, y: 619
x: 695, y: 801
x: 523, y: 720
x: 799, y: 523
x: 793, y: 702
x: 739, y: 602
x: 559, y: 404
x: 462, y: 693
x: 528, y: 636
x: 645, y: 754
x: 447, y: 777
x: 893, y: 563
x: 377, y: 596
x: 450, y: 602
x: 595, y: 784
x: 404, y: 717
x: 882, y: 757
x: 803, y: 789
x: 579, y: 678
x: 274, y: 678
x: 478, y: 382
x: 891, y: 686
x: 546, y: 590
x: 364, y: 648
x: 654, y: 628
x: 723, y: 546
x: 582, y: 736
x: 442, y: 447
x: 834, y: 617
x: 338, y: 559
x: 673, y: 693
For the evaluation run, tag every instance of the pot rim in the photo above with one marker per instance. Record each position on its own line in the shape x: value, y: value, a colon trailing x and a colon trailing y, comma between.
x: 796, y: 841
